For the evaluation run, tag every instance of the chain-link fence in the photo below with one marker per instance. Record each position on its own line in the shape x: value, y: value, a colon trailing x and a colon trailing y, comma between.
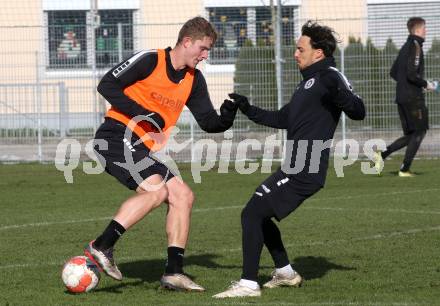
x: 53, y: 54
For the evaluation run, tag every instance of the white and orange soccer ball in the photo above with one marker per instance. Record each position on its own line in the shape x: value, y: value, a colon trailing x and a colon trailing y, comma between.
x: 80, y: 274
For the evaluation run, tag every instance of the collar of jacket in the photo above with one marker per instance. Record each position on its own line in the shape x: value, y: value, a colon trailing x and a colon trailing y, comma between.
x: 318, y: 66
x: 419, y: 39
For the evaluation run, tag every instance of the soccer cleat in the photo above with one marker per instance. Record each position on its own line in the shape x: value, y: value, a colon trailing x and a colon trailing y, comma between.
x: 378, y: 162
x: 406, y: 174
x: 237, y: 290
x: 104, y: 260
x: 179, y: 282
x: 279, y: 280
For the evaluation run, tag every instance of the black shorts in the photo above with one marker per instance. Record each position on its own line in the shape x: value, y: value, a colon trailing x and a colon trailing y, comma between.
x: 285, y: 193
x: 414, y: 117
x: 128, y: 162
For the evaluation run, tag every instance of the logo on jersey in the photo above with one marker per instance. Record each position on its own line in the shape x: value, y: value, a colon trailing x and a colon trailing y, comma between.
x: 175, y: 104
x: 309, y: 83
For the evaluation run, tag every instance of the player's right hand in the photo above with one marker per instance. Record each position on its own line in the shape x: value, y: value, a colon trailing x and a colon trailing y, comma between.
x: 155, y: 120
x: 433, y: 86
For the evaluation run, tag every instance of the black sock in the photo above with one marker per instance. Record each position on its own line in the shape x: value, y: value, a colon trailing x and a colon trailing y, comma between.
x: 109, y: 237
x: 175, y: 260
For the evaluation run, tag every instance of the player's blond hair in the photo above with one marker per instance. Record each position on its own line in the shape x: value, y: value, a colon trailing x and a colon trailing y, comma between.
x: 197, y: 28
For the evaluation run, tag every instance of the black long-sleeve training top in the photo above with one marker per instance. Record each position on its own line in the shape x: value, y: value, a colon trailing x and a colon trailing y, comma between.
x: 312, y: 115
x: 408, y: 71
x: 112, y: 87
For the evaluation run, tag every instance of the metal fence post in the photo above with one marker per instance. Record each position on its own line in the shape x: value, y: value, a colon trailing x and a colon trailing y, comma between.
x: 63, y: 118
x: 120, y: 56
x: 94, y: 24
x: 278, y: 63
x: 38, y: 106
x: 344, y: 149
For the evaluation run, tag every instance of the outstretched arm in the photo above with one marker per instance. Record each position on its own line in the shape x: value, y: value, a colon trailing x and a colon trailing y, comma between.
x: 206, y: 116
x: 275, y: 119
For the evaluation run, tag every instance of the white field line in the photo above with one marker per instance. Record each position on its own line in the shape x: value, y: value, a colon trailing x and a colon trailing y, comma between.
x: 37, y: 224
x: 342, y: 303
x: 279, y: 303
x: 230, y: 250
x: 14, y: 226
x: 358, y: 239
x: 405, y: 211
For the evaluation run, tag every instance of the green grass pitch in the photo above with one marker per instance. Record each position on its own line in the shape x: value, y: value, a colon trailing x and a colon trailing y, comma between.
x: 362, y: 240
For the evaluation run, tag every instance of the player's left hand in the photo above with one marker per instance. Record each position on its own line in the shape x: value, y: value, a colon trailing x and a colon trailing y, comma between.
x: 228, y: 106
x: 241, y: 101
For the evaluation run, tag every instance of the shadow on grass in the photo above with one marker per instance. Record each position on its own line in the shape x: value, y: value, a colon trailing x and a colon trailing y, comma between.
x: 311, y: 267
x: 151, y: 270
x: 141, y: 272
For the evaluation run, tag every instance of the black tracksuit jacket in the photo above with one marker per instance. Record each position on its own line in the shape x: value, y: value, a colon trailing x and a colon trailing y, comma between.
x: 408, y: 70
x: 313, y: 114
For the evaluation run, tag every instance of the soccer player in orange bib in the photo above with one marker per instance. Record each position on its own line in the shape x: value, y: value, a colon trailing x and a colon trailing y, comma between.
x: 147, y: 93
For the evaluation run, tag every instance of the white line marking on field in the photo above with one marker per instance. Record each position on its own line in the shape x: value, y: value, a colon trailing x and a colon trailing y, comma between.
x: 405, y: 211
x: 51, y: 223
x: 342, y: 303
x: 17, y: 226
x: 429, y: 212
x: 375, y: 194
x: 359, y: 239
x: 372, y: 237
x: 334, y: 304
x: 311, y: 243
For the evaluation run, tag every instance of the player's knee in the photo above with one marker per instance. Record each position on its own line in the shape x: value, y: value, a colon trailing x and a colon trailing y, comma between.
x: 184, y: 197
x: 190, y: 197
x: 161, y: 194
x: 154, y: 197
x: 421, y: 133
x: 187, y: 198
x: 418, y: 135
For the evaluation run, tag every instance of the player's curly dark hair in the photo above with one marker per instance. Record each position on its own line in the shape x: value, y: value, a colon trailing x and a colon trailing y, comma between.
x: 321, y: 37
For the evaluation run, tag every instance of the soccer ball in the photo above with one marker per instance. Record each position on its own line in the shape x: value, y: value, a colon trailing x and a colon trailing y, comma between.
x: 80, y: 274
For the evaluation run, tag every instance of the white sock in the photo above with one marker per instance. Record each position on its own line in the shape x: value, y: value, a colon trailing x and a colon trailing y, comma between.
x: 250, y: 284
x: 286, y: 271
